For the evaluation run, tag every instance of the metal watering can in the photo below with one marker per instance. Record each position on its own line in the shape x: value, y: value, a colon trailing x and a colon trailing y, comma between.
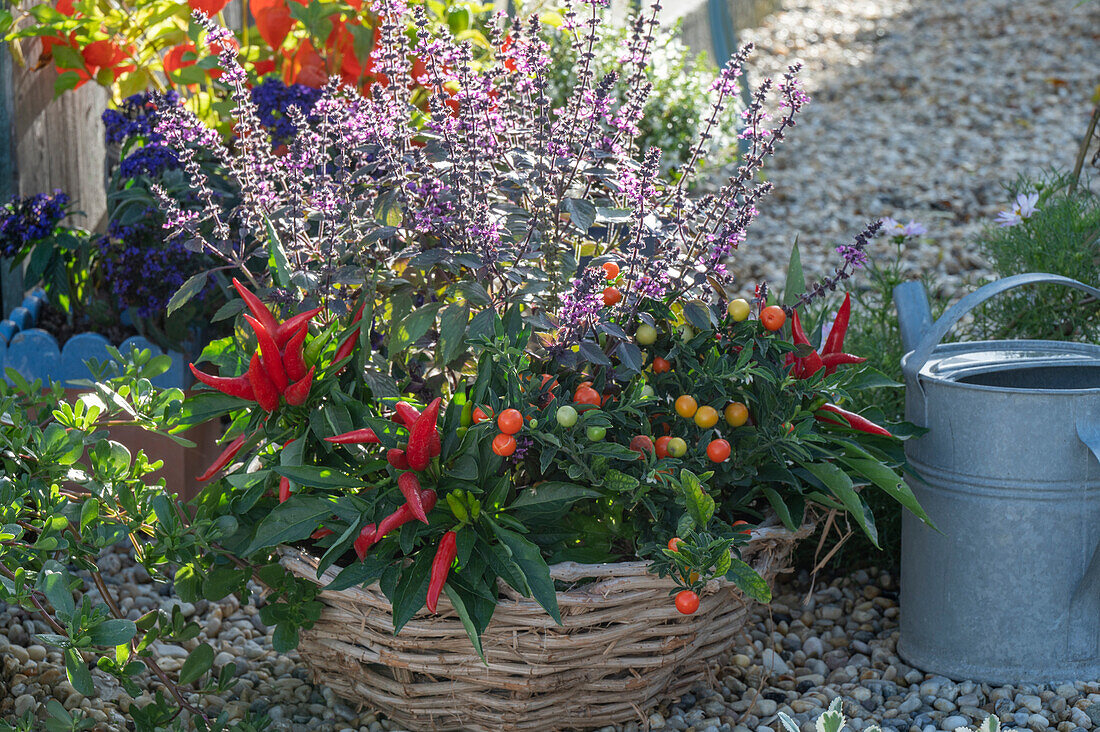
x: 1009, y: 471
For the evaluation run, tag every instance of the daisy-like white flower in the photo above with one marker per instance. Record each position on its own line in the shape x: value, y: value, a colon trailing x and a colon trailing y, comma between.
x: 893, y: 228
x: 1022, y: 210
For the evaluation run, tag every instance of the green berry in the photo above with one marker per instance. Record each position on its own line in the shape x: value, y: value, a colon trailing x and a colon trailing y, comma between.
x: 677, y: 447
x: 738, y: 309
x: 567, y: 416
x: 646, y: 335
x: 595, y: 434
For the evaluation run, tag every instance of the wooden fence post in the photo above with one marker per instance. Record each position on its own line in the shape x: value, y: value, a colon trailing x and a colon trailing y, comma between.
x: 59, y: 142
x: 11, y: 282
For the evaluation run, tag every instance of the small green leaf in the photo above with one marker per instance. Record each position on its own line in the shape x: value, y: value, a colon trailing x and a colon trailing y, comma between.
x: 700, y: 505
x: 315, y: 477
x: 77, y: 672
x: 529, y: 559
x: 464, y: 615
x: 453, y: 321
x: 53, y: 582
x: 553, y: 492
x: 198, y: 663
x: 412, y: 328
x: 277, y: 262
x: 796, y: 281
x: 284, y: 638
x: 113, y: 632
x: 838, y: 482
x: 412, y: 589
x: 746, y: 578
x: 291, y: 521
x: 193, y: 286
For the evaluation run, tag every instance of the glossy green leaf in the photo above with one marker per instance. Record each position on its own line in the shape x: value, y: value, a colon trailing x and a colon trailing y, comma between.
x: 113, y: 632
x: 198, y: 663
x: 746, y: 578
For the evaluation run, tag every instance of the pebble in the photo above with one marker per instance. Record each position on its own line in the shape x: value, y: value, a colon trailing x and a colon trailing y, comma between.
x: 953, y: 722
x: 772, y: 661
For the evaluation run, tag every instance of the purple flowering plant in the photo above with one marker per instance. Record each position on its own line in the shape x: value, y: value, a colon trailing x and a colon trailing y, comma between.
x: 529, y: 278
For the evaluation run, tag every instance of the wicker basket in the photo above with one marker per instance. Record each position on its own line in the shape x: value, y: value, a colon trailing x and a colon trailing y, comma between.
x: 621, y: 648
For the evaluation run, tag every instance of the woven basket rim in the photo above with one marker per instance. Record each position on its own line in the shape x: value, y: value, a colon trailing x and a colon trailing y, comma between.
x: 769, y: 531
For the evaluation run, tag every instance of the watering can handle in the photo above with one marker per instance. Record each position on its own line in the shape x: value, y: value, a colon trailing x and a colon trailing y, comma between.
x: 915, y: 361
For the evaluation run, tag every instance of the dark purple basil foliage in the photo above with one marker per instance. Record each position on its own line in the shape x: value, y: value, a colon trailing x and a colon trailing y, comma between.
x: 26, y: 221
x: 496, y: 188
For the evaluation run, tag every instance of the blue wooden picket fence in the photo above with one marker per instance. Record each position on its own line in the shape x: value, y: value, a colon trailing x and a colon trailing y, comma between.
x: 34, y: 353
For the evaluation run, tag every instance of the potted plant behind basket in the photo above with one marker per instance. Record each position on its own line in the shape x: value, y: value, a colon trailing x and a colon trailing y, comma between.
x: 72, y: 319
x: 494, y: 473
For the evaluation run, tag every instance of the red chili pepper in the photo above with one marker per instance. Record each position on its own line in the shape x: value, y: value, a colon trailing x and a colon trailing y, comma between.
x: 441, y: 567
x: 832, y: 355
x: 420, y: 437
x: 224, y: 459
x: 853, y: 420
x: 348, y: 344
x: 284, y: 489
x: 297, y: 393
x: 269, y: 354
x: 238, y: 386
x: 364, y: 436
x: 259, y: 310
x: 410, y: 488
x: 403, y: 515
x: 396, y: 458
x: 835, y: 342
x: 364, y: 541
x: 293, y: 360
x: 808, y: 365
x: 287, y: 329
x: 406, y: 414
x: 346, y: 347
x: 266, y: 394
x: 321, y: 534
x: 832, y: 360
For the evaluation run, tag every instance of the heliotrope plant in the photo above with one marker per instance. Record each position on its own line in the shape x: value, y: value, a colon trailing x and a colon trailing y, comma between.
x: 503, y: 339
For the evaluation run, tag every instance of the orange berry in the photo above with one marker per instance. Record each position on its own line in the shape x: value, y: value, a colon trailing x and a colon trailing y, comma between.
x: 504, y: 445
x: 736, y: 414
x: 718, y: 451
x: 662, y: 446
x: 612, y: 296
x: 773, y: 317
x: 674, y: 544
x: 687, y: 602
x: 480, y: 415
x: 661, y: 366
x: 686, y: 406
x: 706, y: 417
x: 510, y: 421
x: 737, y: 523
x: 587, y: 395
x: 611, y: 270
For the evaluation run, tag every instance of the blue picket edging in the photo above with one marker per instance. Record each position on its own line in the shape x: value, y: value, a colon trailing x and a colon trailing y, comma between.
x: 34, y: 353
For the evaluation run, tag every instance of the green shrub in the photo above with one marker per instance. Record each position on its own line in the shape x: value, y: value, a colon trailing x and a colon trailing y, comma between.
x: 1061, y: 236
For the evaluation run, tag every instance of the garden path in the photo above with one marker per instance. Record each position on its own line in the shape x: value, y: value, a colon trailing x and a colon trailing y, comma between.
x: 921, y: 109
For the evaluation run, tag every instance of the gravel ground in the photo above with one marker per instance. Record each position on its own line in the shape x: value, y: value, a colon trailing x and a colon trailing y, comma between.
x: 810, y: 646
x: 921, y: 109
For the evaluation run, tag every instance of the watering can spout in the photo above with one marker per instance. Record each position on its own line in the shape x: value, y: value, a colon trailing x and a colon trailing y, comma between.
x: 914, y: 314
